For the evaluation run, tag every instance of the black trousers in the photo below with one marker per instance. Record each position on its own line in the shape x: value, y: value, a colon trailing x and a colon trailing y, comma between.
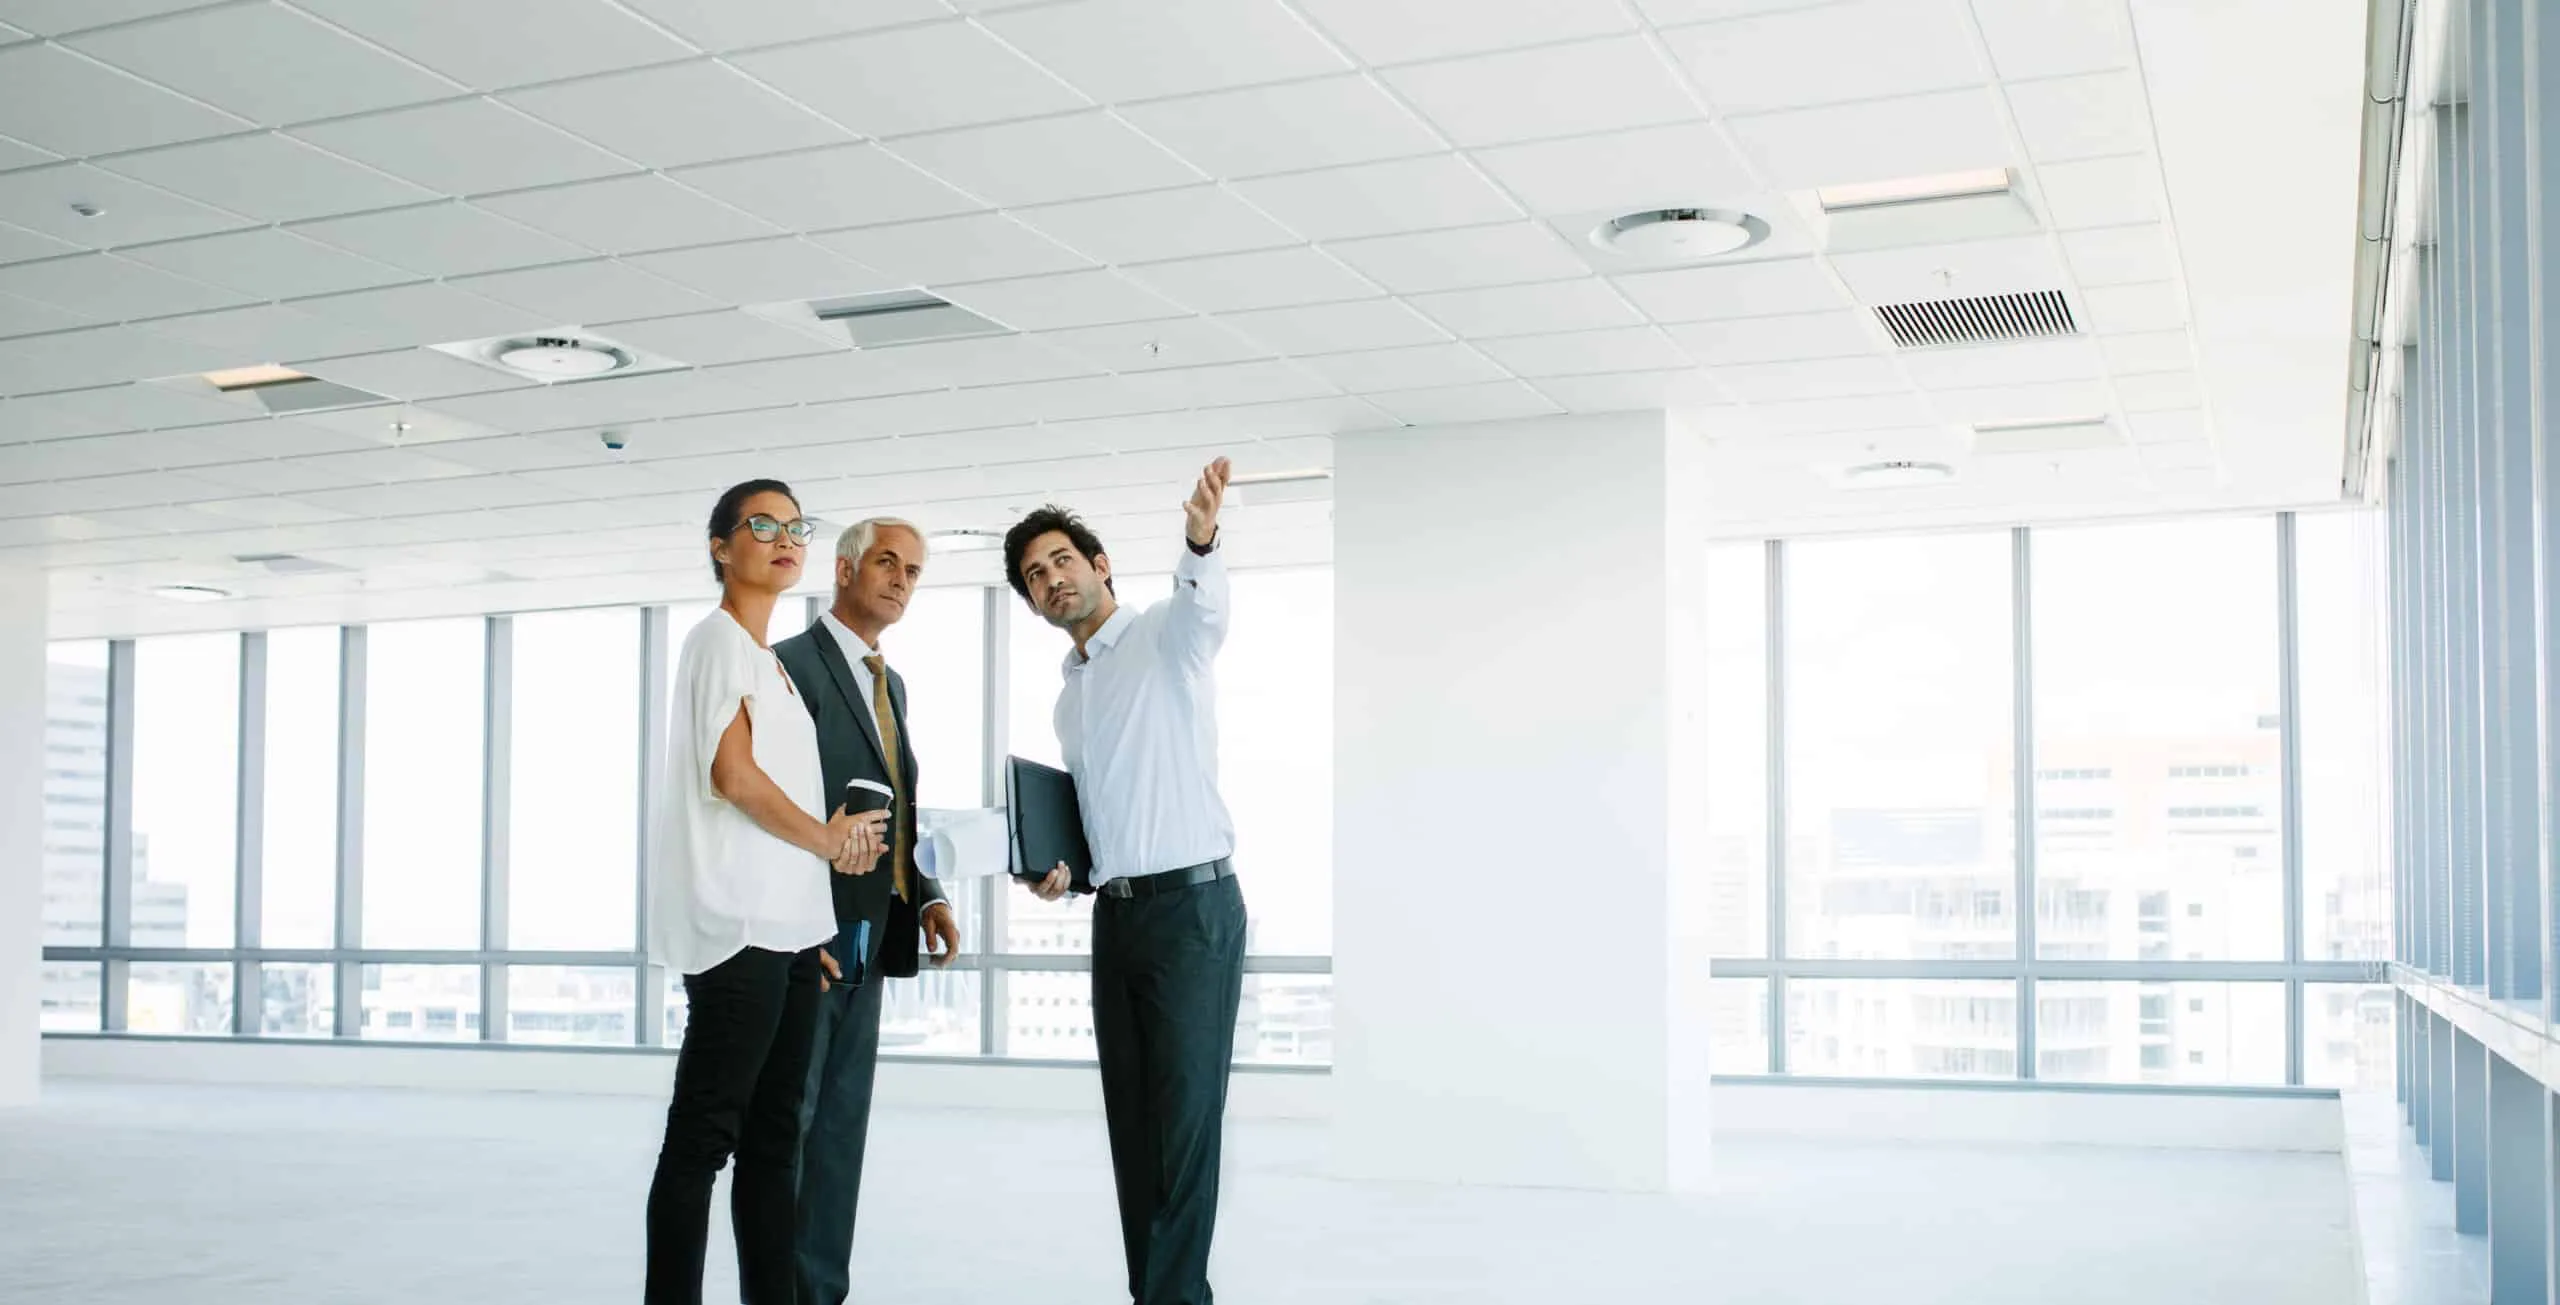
x: 1168, y: 973
x: 835, y: 1117
x: 739, y: 1077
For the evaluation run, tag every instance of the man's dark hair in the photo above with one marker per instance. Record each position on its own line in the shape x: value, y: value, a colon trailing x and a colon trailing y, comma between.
x: 731, y: 511
x: 1042, y: 520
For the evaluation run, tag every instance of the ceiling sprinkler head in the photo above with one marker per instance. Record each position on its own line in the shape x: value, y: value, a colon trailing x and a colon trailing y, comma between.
x: 86, y: 209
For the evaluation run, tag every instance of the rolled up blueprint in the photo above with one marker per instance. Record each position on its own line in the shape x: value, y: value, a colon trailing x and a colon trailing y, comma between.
x: 963, y: 843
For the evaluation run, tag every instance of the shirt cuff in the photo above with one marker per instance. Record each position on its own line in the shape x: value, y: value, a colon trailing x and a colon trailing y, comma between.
x: 1193, y: 566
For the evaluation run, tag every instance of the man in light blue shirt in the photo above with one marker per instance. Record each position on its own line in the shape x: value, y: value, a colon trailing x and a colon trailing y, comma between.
x: 1137, y: 723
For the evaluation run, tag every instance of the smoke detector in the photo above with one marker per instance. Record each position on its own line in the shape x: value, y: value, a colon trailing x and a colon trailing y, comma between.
x: 553, y: 356
x: 1674, y: 235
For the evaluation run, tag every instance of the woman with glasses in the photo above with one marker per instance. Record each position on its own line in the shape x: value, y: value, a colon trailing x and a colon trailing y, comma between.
x: 739, y: 904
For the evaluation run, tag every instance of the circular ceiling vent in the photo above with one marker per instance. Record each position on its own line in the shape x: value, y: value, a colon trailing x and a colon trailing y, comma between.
x: 558, y: 357
x: 1897, y: 474
x: 1666, y: 235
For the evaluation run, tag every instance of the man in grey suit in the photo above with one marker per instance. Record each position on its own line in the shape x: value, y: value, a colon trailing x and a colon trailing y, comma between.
x: 861, y: 710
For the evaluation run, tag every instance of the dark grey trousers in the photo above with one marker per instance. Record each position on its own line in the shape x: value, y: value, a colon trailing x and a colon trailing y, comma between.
x: 1168, y: 973
x: 835, y: 1118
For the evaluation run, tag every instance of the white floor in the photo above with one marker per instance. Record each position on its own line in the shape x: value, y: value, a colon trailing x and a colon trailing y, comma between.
x: 127, y: 1193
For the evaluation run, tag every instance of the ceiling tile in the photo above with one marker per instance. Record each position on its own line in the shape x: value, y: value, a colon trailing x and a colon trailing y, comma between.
x: 63, y: 17
x: 425, y: 314
x: 1338, y: 328
x: 1049, y: 303
x: 271, y: 510
x: 71, y: 413
x: 1318, y: 124
x: 17, y: 244
x: 1824, y: 416
x: 273, y: 333
x: 1403, y: 31
x: 587, y: 294
x: 1450, y: 405
x: 2060, y: 401
x: 413, y: 374
x: 493, y: 44
x: 1117, y: 50
x: 228, y: 57
x: 852, y: 185
x: 915, y: 79
x: 1429, y: 366
x: 450, y: 239
x: 2013, y: 265
x: 977, y: 247
x: 1166, y: 224
x: 283, y: 476
x: 2031, y: 362
x: 63, y: 459
x: 1150, y: 346
x: 16, y: 154
x: 2123, y: 309
x: 1376, y: 199
x: 2194, y: 455
x: 268, y: 263
x: 464, y: 147
x: 2094, y: 116
x: 1271, y: 278
x: 1671, y: 166
x: 718, y: 25
x: 827, y: 377
x: 1582, y: 353
x: 1585, y: 305
x: 989, y: 360
x: 1507, y: 254
x: 1228, y: 383
x: 109, y: 287
x: 75, y: 106
x: 1814, y: 378
x: 268, y: 177
x: 2039, y: 38
x: 782, y: 270
x: 607, y: 401
x: 1563, y: 90
x: 1868, y: 50
x: 2159, y: 391
x: 677, y: 114
x: 2167, y: 427
x: 1727, y: 290
x: 2148, y: 351
x: 628, y: 215
x: 40, y: 200
x: 2091, y: 193
x: 1877, y: 140
x: 27, y: 317
x: 523, y: 452
x: 103, y: 355
x: 2119, y: 255
x: 1051, y: 160
x: 1632, y: 391
x: 1836, y: 334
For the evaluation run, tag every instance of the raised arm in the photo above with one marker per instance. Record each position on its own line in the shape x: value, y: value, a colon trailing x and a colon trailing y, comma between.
x: 1196, y: 621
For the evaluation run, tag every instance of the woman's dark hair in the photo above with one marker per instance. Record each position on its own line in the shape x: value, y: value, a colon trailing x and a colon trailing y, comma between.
x: 731, y: 511
x: 1042, y: 520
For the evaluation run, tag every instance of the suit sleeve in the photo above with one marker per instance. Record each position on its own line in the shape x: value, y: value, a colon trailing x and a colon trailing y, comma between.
x: 928, y: 889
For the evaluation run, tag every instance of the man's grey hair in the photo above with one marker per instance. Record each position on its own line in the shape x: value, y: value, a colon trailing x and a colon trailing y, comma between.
x: 858, y: 538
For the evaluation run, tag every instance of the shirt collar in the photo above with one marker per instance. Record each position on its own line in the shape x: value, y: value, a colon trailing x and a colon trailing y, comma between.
x: 1121, y: 619
x: 847, y: 642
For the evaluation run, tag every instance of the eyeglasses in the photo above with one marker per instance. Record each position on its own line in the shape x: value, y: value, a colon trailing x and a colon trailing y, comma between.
x: 766, y: 529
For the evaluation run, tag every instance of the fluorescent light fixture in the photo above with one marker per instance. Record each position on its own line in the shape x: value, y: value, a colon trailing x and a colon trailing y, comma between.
x: 191, y: 593
x: 250, y: 378
x: 1280, y: 477
x: 964, y: 541
x: 1914, y: 190
x: 2047, y: 435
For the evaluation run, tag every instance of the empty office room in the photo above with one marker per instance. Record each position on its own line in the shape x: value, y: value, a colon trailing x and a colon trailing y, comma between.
x: 1290, y: 652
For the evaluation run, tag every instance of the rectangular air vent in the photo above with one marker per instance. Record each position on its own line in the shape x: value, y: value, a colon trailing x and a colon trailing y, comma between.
x: 901, y: 317
x: 287, y: 563
x: 1985, y: 319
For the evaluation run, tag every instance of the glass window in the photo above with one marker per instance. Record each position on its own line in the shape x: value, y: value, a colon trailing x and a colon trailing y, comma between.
x: 75, y: 805
x: 2344, y: 732
x: 2160, y: 1032
x: 186, y: 789
x: 298, y: 1001
x: 1049, y: 1015
x: 572, y: 1006
x: 422, y: 778
x: 69, y: 1002
x: 1275, y: 757
x: 1903, y: 1028
x: 1899, y: 790
x: 422, y: 1003
x: 1739, y: 1043
x: 2348, y: 1037
x: 934, y: 1014
x: 2155, y: 661
x: 573, y: 860
x: 184, y: 999
x: 299, y: 874
x: 940, y: 649
x: 1738, y: 750
x: 1285, y: 1019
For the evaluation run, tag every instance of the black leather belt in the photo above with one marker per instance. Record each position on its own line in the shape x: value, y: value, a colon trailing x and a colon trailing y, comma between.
x: 1190, y: 876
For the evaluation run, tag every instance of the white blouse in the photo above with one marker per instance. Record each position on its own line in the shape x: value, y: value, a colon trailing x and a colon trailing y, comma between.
x: 718, y: 882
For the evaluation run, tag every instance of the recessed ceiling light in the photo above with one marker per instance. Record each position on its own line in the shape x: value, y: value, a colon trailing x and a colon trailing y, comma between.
x: 1675, y: 234
x: 191, y: 593
x: 1898, y: 473
x: 250, y: 378
x: 559, y: 358
x: 965, y: 541
x: 1914, y: 190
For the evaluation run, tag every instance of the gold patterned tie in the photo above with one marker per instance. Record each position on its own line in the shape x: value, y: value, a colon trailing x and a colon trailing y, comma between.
x: 902, y: 854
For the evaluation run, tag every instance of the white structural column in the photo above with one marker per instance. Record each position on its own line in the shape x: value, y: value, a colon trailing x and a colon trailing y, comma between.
x: 22, y: 685
x: 1520, y: 953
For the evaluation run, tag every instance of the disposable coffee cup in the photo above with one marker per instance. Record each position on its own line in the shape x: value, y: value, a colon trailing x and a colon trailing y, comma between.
x: 861, y: 795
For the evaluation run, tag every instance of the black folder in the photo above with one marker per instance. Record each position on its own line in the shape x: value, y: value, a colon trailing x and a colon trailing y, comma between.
x: 1040, y: 804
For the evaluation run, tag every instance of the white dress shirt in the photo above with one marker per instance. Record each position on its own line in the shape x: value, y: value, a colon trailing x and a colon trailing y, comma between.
x: 718, y: 883
x: 854, y: 650
x: 1138, y: 724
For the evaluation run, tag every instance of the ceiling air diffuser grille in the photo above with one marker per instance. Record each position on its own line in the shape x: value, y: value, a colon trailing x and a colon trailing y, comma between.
x: 1986, y: 319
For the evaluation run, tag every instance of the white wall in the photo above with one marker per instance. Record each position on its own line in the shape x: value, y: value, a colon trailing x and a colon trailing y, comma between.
x: 22, y: 675
x: 1519, y: 973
